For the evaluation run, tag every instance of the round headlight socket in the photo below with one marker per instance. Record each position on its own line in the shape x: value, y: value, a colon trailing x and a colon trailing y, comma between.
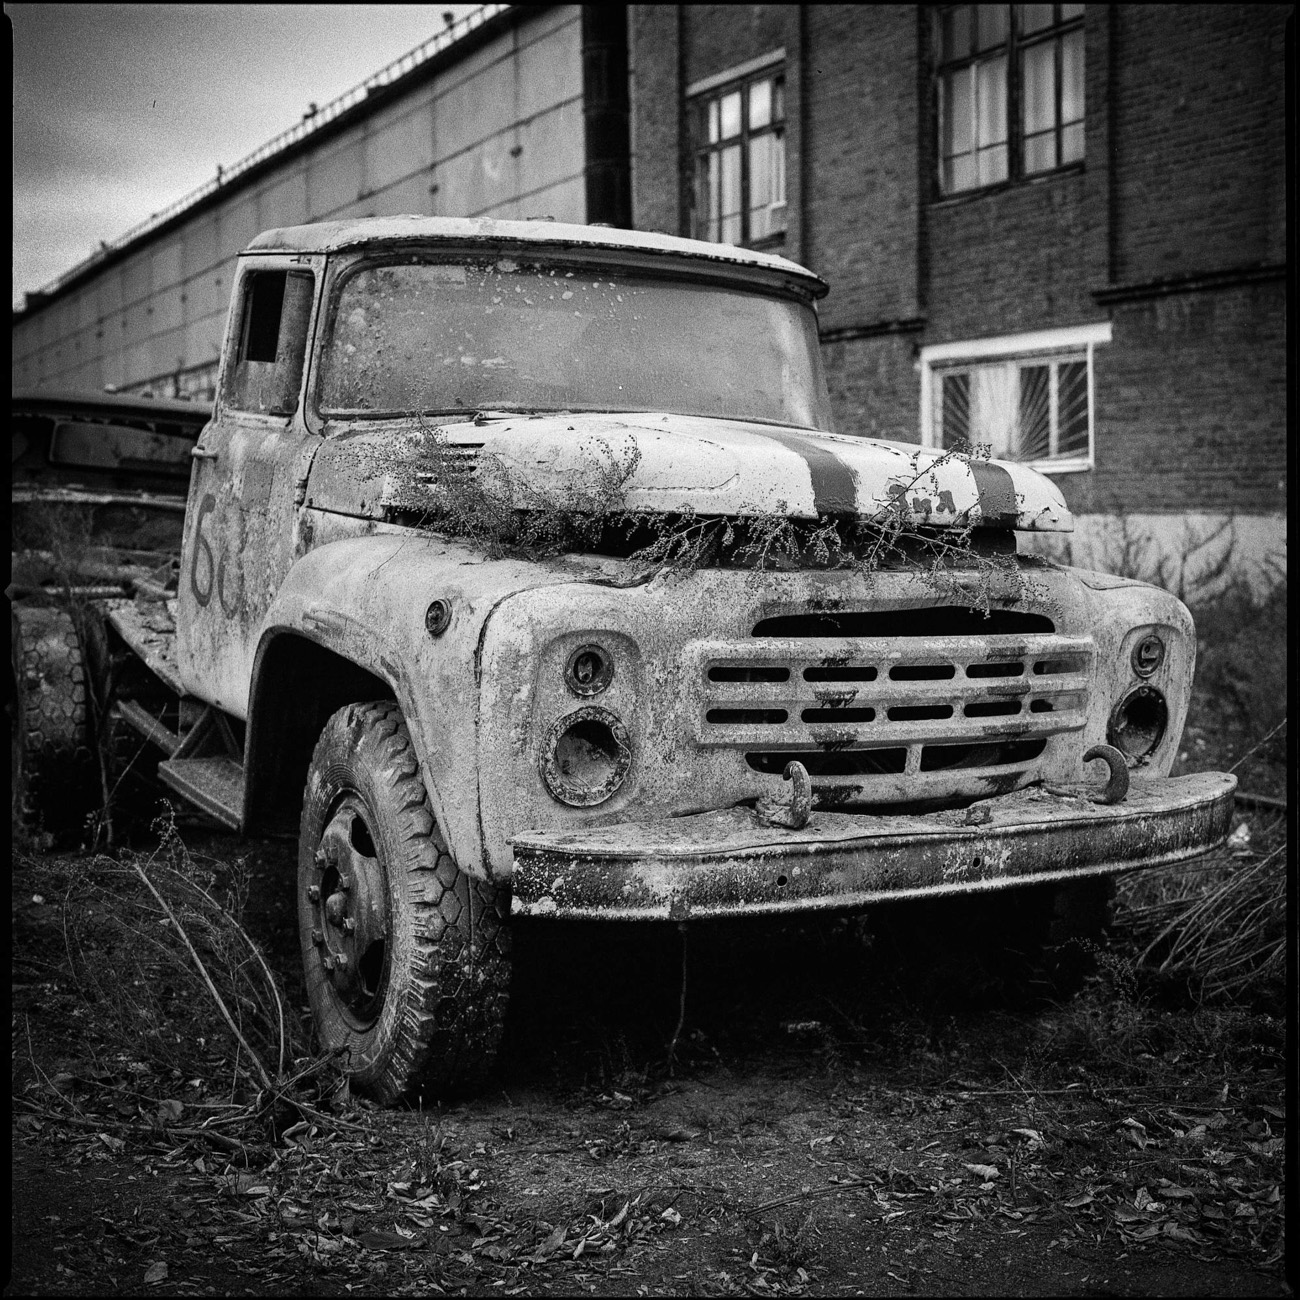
x: 437, y: 618
x: 1148, y: 655
x: 585, y: 756
x: 589, y: 670
x: 1139, y: 722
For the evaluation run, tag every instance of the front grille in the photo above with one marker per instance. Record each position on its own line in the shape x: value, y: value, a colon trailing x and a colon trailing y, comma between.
x: 905, y: 715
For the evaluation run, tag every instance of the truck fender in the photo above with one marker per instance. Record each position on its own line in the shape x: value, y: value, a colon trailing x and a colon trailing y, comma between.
x: 353, y: 621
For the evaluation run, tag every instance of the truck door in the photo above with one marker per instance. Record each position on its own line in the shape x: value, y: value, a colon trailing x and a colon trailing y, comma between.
x: 241, y: 519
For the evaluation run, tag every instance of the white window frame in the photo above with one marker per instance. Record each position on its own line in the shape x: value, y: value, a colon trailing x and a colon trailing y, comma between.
x: 1016, y: 347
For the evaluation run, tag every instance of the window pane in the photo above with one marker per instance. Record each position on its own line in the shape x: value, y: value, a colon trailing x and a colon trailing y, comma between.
x: 1072, y: 77
x: 994, y: 413
x: 1040, y: 152
x: 960, y: 173
x: 1033, y: 18
x: 993, y: 165
x: 956, y: 110
x: 1035, y: 431
x: 730, y: 231
x: 713, y: 121
x: 760, y: 104
x: 706, y: 198
x: 956, y: 33
x: 1038, y: 87
x: 1071, y: 11
x: 993, y: 24
x: 1072, y: 401
x: 730, y: 115
x: 1072, y: 143
x: 954, y: 410
x: 991, y: 101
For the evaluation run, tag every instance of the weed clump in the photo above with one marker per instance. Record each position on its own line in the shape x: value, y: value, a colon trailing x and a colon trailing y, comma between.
x: 151, y: 941
x: 485, y: 502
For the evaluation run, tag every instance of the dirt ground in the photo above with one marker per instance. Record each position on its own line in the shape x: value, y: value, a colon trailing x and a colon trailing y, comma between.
x: 853, y: 1107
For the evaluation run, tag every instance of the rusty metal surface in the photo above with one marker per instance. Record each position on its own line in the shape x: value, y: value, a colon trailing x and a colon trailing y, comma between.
x: 82, y: 497
x: 149, y: 629
x: 729, y: 862
x: 605, y: 243
x: 686, y: 463
x: 662, y: 692
x: 795, y: 813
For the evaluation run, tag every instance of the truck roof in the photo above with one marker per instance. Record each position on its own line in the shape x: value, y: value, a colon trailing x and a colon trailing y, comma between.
x: 334, y: 236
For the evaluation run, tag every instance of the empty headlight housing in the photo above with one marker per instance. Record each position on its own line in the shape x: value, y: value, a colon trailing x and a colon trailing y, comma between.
x: 1138, y: 722
x: 585, y: 756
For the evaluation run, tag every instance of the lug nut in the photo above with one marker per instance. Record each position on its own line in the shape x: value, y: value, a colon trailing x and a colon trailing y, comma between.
x: 340, y: 960
x: 345, y: 881
x: 349, y: 924
x: 321, y: 859
x: 327, y: 962
x: 317, y: 938
x: 313, y: 893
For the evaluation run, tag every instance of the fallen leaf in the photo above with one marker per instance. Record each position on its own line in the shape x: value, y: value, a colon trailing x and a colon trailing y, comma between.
x: 169, y: 1111
x: 986, y: 1172
x: 155, y: 1273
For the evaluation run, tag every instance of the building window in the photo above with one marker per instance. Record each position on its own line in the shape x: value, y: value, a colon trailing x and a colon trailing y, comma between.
x: 1010, y: 92
x: 739, y: 131
x: 1026, y: 397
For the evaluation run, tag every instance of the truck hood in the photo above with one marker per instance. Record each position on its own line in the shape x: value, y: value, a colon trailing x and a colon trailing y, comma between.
x: 686, y: 464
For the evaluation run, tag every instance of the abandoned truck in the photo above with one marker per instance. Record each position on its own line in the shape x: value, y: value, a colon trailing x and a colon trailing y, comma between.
x: 524, y: 576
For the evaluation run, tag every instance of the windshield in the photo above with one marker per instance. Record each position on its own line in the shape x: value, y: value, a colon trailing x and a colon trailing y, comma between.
x: 510, y: 334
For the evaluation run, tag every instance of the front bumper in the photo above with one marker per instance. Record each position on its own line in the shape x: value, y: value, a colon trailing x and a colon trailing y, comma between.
x: 728, y: 863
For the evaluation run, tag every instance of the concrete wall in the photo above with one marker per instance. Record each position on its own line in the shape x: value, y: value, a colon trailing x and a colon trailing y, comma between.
x: 498, y: 133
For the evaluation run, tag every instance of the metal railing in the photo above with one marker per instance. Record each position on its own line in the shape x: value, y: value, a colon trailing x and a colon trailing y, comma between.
x: 310, y: 123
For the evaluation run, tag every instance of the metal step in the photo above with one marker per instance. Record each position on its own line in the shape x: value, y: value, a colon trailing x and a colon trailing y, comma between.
x: 214, y: 784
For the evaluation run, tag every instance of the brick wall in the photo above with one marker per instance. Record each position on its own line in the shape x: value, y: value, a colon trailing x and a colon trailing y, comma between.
x: 874, y: 386
x: 860, y: 146
x: 1184, y: 174
x: 1017, y: 259
x: 1199, y: 144
x: 718, y: 37
x: 1191, y: 406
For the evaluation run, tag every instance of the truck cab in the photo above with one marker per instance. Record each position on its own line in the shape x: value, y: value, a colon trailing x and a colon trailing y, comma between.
x: 524, y: 574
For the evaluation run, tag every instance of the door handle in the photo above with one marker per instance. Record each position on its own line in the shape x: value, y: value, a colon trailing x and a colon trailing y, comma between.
x: 202, y: 453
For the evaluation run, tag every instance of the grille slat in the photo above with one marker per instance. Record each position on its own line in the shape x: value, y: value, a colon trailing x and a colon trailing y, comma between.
x: 878, y: 718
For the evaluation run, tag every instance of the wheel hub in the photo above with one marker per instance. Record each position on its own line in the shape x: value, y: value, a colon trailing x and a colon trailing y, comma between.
x: 349, y: 906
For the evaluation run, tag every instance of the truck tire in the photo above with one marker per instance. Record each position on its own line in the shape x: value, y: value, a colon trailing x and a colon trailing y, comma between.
x: 52, y: 782
x: 418, y: 1001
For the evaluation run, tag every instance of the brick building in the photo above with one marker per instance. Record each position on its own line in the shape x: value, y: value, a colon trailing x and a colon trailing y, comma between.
x: 1058, y: 229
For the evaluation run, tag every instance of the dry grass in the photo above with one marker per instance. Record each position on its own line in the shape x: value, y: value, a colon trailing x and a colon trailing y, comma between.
x: 153, y: 944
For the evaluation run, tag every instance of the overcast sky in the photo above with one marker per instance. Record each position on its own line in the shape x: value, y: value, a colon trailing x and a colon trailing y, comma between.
x: 121, y: 109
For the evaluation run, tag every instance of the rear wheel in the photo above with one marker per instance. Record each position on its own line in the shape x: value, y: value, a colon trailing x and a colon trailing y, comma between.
x: 52, y: 781
x: 406, y: 958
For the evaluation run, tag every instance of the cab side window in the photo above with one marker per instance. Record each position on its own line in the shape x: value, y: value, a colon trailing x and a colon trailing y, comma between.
x: 266, y: 372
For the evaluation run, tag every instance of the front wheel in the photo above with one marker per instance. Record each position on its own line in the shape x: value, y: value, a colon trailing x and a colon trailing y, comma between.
x: 406, y: 958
